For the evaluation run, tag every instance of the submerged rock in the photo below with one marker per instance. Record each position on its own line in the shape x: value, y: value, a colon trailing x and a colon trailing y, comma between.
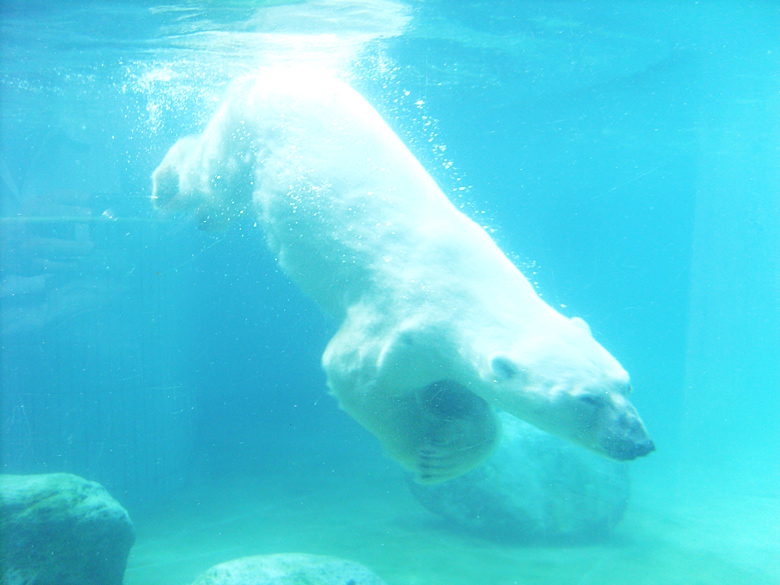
x: 289, y: 569
x: 536, y: 487
x: 60, y: 529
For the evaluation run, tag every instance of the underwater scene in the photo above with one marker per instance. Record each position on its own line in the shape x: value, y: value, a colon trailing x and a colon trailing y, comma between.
x: 402, y: 292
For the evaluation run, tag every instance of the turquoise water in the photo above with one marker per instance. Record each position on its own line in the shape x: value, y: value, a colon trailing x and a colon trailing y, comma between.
x: 624, y: 154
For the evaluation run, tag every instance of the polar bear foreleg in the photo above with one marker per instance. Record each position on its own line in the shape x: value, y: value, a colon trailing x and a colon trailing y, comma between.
x: 461, y: 431
x: 437, y: 433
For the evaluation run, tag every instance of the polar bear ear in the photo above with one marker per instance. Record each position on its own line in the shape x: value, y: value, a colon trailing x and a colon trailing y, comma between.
x: 577, y: 322
x: 502, y: 367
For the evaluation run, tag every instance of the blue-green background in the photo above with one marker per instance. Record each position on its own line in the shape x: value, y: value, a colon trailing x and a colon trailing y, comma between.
x: 626, y: 155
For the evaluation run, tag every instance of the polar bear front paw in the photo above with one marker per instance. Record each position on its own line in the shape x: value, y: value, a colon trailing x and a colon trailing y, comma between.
x: 461, y: 432
x: 434, y: 464
x: 437, y: 463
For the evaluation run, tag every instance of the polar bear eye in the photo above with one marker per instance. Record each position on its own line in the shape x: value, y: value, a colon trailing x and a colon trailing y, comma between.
x: 592, y: 399
x: 503, y: 368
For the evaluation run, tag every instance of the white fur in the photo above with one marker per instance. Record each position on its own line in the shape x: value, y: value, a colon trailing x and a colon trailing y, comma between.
x: 438, y: 326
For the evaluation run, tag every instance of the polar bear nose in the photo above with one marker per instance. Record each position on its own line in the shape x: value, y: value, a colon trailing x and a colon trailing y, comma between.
x: 623, y: 450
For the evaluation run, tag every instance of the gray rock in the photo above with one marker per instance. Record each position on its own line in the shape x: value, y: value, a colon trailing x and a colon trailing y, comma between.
x: 60, y: 529
x: 289, y: 569
x: 535, y: 487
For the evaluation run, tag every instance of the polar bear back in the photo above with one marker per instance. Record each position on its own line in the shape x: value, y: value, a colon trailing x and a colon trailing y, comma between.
x: 348, y: 210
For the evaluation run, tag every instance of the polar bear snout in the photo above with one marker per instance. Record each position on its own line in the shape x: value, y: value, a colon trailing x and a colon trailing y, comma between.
x: 610, y: 425
x: 629, y: 441
x: 624, y: 449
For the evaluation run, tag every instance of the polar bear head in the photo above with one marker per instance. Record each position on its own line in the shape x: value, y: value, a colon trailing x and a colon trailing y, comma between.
x: 569, y: 385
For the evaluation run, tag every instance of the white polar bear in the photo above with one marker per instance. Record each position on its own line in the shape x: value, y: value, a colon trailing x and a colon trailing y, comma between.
x: 438, y: 327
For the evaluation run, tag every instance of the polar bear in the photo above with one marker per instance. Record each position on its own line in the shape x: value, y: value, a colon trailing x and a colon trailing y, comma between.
x: 438, y: 329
